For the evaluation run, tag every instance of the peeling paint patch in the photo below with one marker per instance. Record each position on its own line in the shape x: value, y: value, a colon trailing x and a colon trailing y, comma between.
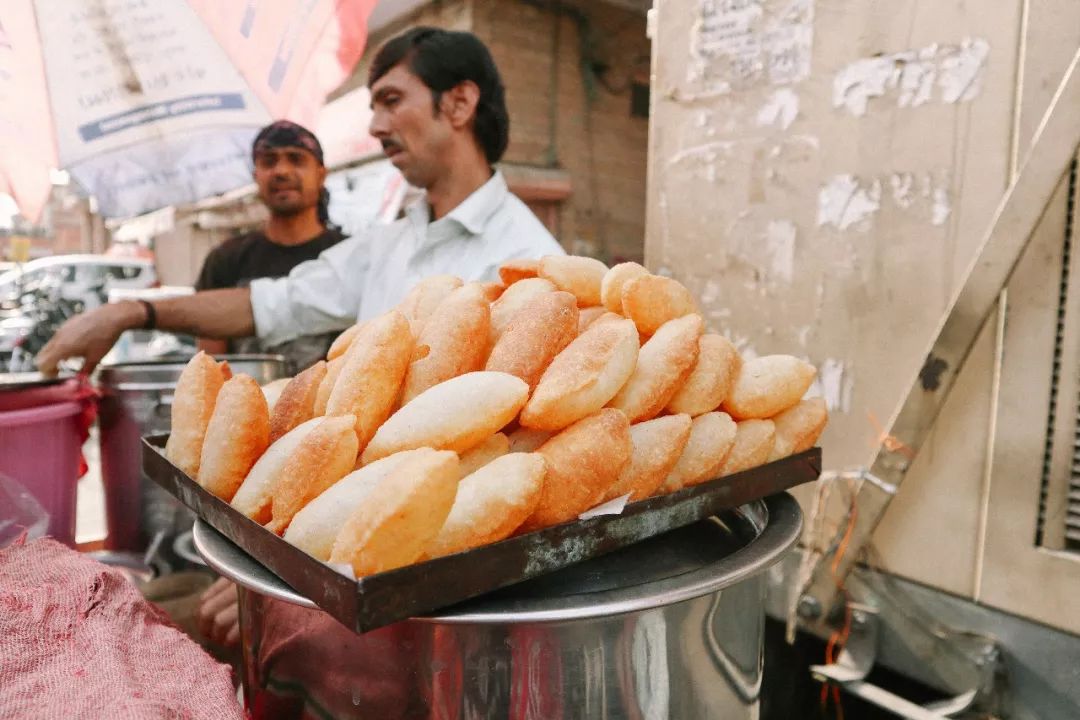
x: 738, y: 44
x: 835, y: 384
x: 780, y: 245
x: 902, y: 186
x: 803, y: 335
x: 844, y: 202
x: 780, y: 110
x: 951, y: 73
x: 942, y: 208
x: 710, y: 293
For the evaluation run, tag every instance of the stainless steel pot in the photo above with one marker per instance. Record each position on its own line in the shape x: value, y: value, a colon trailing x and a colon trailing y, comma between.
x: 136, y: 401
x: 668, y: 629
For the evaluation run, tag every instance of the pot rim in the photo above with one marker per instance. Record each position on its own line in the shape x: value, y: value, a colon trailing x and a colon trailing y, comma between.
x: 777, y: 520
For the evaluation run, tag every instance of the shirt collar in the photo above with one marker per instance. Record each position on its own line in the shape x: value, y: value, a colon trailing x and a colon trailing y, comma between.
x: 474, y: 212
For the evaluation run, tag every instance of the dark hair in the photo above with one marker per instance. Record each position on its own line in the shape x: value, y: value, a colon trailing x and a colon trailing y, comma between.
x: 443, y: 59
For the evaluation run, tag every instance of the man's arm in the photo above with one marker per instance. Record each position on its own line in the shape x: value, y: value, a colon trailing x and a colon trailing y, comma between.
x: 211, y: 314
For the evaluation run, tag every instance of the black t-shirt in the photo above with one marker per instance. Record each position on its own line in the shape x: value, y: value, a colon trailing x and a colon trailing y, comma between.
x: 239, y: 260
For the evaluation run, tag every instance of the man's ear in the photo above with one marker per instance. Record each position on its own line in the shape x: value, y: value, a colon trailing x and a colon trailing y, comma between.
x: 322, y: 174
x: 459, y: 103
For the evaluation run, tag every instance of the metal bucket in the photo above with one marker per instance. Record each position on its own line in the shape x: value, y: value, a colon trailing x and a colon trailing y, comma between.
x: 136, y: 401
x: 668, y: 629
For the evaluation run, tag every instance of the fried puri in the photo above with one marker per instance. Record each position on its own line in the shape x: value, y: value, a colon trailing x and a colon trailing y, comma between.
x: 656, y: 446
x: 297, y: 402
x: 491, y: 503
x: 194, y: 398
x: 400, y: 516
x: 372, y: 374
x: 540, y: 330
x: 455, y: 415
x: 584, y: 377
x: 583, y: 461
x: 236, y: 436
x: 454, y: 341
x: 325, y: 456
x: 767, y: 386
x: 652, y: 300
x: 708, y: 384
x: 664, y: 363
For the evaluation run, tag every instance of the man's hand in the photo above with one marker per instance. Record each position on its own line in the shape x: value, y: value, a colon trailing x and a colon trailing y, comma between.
x: 219, y: 613
x: 90, y: 335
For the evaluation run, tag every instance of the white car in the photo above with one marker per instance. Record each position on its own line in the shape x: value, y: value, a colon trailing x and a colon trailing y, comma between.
x: 84, y: 278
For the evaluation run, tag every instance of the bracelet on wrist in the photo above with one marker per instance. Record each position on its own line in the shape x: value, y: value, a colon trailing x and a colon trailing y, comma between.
x: 151, y: 314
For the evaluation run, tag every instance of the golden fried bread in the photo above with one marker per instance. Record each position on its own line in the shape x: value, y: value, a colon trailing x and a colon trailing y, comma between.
x: 237, y: 434
x: 656, y: 446
x: 711, y: 438
x: 491, y: 503
x: 583, y: 461
x: 420, y: 303
x: 584, y: 377
x: 315, y: 528
x: 652, y: 300
x: 539, y: 331
x: 455, y: 415
x: 472, y: 460
x: 527, y: 440
x: 253, y: 497
x: 767, y: 386
x: 272, y: 391
x: 454, y: 341
x: 399, y: 517
x: 325, y: 456
x: 512, y: 300
x: 297, y: 402
x: 492, y: 290
x: 326, y: 385
x: 578, y: 275
x: 753, y: 444
x: 586, y: 316
x: 709, y: 382
x: 612, y: 284
x: 196, y: 393
x: 512, y: 271
x: 663, y: 364
x: 342, y: 342
x: 371, y: 377
x: 798, y: 427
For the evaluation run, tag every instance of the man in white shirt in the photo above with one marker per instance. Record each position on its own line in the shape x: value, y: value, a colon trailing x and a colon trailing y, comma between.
x: 440, y: 113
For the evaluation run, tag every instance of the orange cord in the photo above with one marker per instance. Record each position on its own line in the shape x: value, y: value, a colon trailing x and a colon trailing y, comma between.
x: 887, y: 441
x: 840, y: 637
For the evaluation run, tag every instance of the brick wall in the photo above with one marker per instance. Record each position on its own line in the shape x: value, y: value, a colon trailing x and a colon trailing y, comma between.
x: 598, y: 144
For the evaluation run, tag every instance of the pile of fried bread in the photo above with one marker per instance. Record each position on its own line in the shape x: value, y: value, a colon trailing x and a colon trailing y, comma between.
x: 476, y: 411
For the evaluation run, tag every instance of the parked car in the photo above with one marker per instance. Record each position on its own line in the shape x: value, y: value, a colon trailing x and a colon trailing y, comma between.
x: 86, y: 279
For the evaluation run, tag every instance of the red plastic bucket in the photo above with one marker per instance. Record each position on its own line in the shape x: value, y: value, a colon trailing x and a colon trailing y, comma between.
x: 40, y: 449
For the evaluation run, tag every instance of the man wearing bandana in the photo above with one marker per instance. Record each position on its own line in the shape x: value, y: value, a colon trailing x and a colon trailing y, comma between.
x: 289, y: 173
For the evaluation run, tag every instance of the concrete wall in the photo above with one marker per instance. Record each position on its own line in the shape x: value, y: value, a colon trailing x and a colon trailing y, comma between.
x: 821, y: 174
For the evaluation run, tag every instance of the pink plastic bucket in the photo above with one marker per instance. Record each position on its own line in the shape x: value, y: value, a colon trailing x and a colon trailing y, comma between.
x: 40, y: 449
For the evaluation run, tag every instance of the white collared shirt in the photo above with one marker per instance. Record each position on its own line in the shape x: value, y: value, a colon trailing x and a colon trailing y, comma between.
x: 367, y: 275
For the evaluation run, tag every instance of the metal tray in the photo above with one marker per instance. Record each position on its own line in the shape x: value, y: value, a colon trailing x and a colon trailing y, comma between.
x: 377, y: 600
